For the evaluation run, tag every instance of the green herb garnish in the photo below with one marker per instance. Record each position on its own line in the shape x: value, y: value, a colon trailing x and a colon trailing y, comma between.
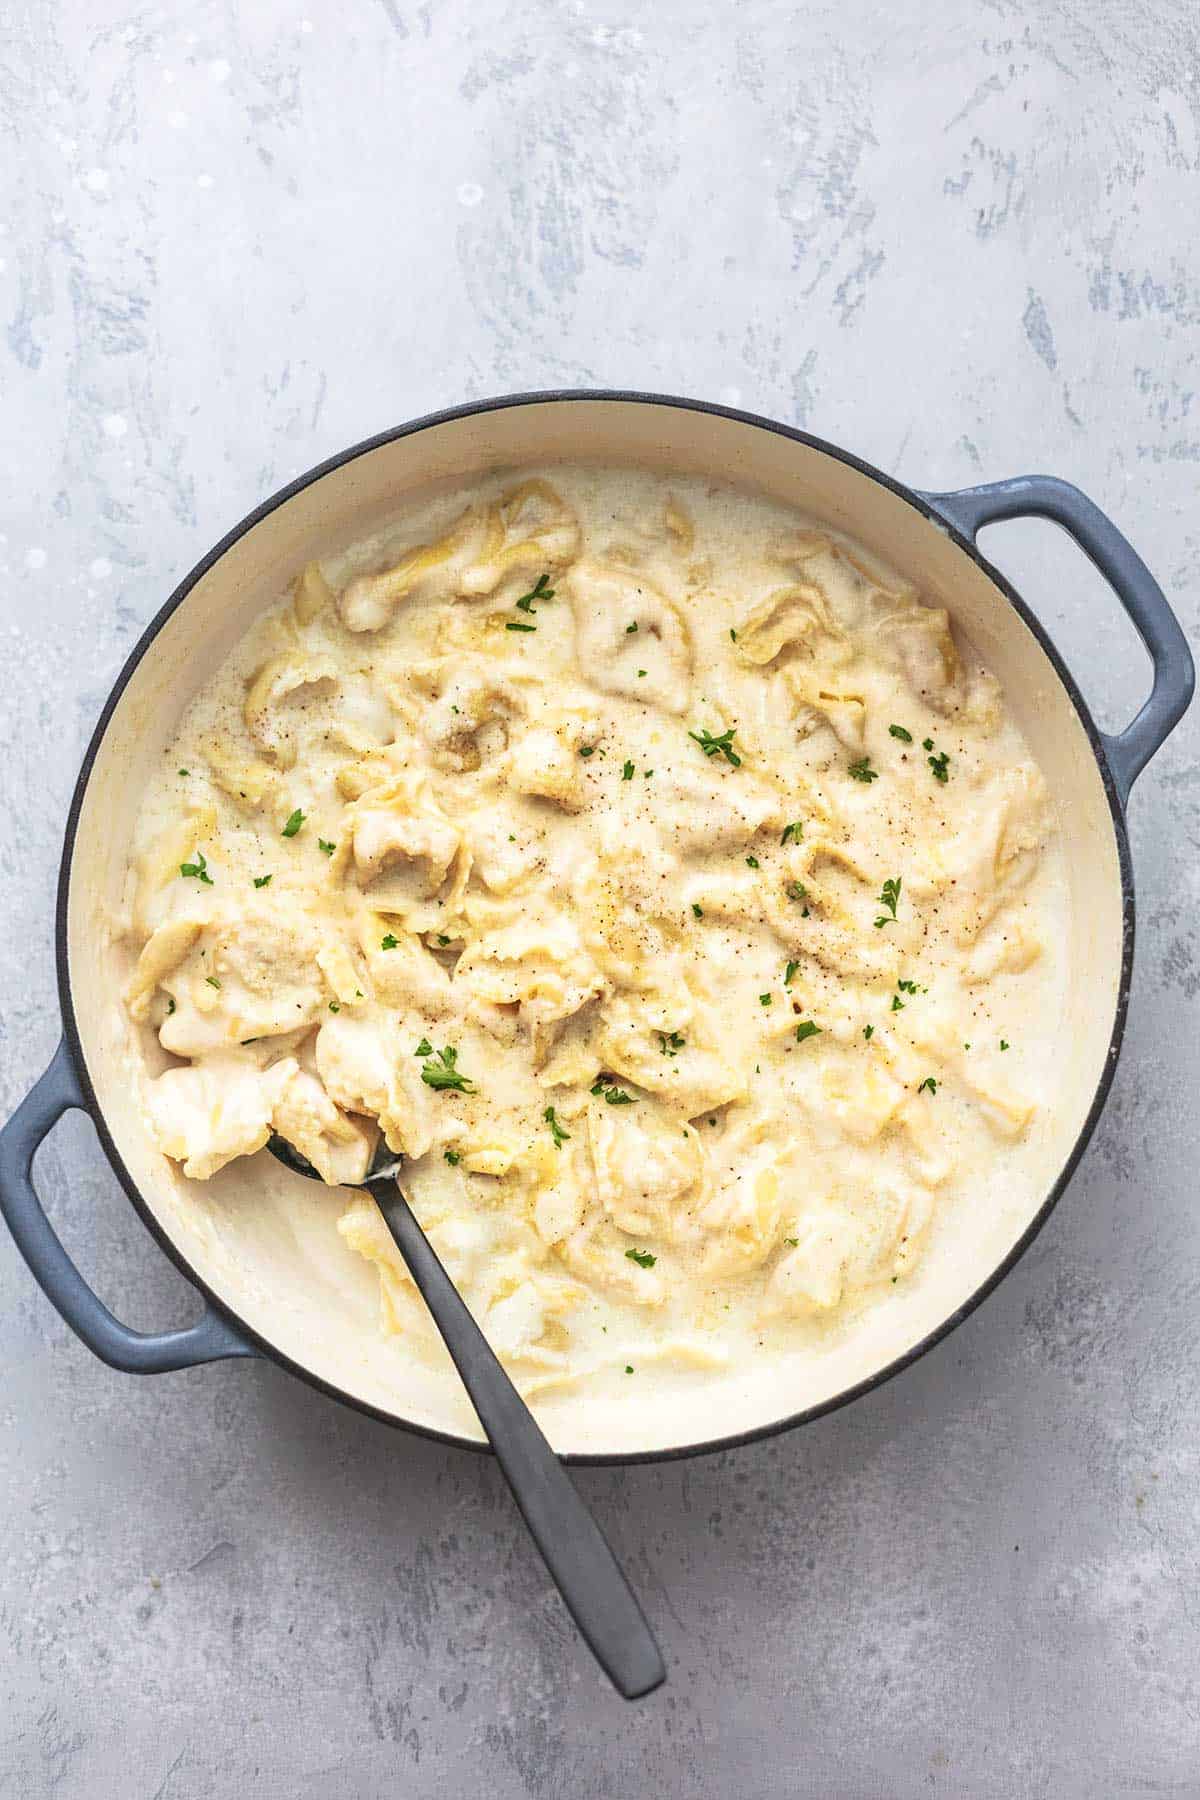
x: 889, y: 898
x: 556, y: 1131
x: 718, y: 746
x: 1003, y: 1045
x: 794, y: 830
x: 389, y: 942
x: 697, y: 910
x: 212, y: 981
x: 170, y: 1004
x: 940, y: 766
x: 262, y: 880
x: 670, y: 1042
x: 453, y: 1157
x: 752, y: 862
x: 424, y: 1048
x: 515, y: 625
x: 789, y: 972
x: 335, y: 1006
x: 630, y: 628
x: 862, y: 770
x: 868, y: 1032
x: 898, y: 731
x: 796, y: 890
x: 588, y: 750
x: 325, y: 848
x: 644, y: 1260
x: 807, y: 1029
x: 442, y: 1073
x: 199, y: 869
x: 897, y: 1003
x: 294, y: 823
x: 929, y: 1083
x: 540, y: 591
x: 627, y: 772
x: 764, y: 999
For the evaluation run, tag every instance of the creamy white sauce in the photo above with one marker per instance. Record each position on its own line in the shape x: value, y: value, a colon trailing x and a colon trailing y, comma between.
x: 426, y: 846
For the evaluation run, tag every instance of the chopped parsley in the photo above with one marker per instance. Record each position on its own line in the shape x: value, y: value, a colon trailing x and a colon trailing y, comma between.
x: 929, y: 1083
x: 440, y: 1072
x: 807, y: 1029
x: 442, y: 938
x: 670, y: 1042
x: 630, y: 628
x: 641, y: 672
x: 898, y: 731
x: 170, y: 1004
x: 212, y: 981
x: 294, y: 823
x: 909, y: 987
x: 541, y: 590
x: 629, y: 1368
x: 627, y: 772
x: 389, y: 942
x: 199, y: 869
x: 647, y: 773
x: 764, y: 999
x: 732, y: 635
x: 424, y: 1048
x: 1003, y: 1045
x: 889, y: 898
x: 697, y: 910
x: 326, y: 848
x: 642, y: 1258
x: 588, y: 750
x: 515, y: 625
x: 556, y: 1131
x: 718, y: 746
x: 615, y: 1096
x: 897, y: 1003
x: 940, y: 766
x: 752, y: 862
x: 794, y: 830
x: 792, y: 1242
x: 185, y: 771
x: 453, y: 1157
x: 862, y: 770
x: 868, y: 1032
x: 796, y: 890
x: 335, y: 1006
x: 262, y: 880
x: 789, y: 972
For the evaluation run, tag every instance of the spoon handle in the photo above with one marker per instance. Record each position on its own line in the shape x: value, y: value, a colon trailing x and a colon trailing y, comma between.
x: 576, y: 1552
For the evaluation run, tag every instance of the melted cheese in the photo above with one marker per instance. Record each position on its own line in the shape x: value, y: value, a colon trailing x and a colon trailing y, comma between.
x: 658, y: 874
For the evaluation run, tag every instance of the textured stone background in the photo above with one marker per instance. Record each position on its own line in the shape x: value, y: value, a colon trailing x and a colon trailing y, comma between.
x: 958, y: 238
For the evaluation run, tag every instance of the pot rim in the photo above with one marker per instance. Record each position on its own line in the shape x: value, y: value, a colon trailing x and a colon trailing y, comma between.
x: 621, y: 396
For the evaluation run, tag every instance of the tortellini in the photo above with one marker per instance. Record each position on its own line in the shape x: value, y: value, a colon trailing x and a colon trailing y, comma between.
x: 651, y: 870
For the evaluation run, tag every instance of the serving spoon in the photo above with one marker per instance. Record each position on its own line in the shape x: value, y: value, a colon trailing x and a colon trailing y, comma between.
x: 575, y: 1550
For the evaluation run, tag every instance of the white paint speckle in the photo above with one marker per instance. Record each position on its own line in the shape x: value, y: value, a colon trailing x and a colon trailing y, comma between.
x: 35, y: 558
x: 177, y: 119
x: 96, y: 181
x: 115, y: 425
x: 219, y: 70
x: 469, y: 193
x: 99, y: 568
x: 204, y: 181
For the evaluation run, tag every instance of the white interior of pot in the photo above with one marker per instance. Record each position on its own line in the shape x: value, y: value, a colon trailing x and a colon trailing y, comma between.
x: 263, y: 1240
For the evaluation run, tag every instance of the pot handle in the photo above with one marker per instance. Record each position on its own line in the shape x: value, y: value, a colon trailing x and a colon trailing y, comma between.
x: 137, y: 1352
x: 1046, y: 497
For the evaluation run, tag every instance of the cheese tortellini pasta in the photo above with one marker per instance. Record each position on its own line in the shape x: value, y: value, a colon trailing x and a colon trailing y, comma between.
x: 663, y: 879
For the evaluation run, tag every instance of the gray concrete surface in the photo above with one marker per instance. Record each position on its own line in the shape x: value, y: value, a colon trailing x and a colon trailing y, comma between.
x: 960, y: 239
